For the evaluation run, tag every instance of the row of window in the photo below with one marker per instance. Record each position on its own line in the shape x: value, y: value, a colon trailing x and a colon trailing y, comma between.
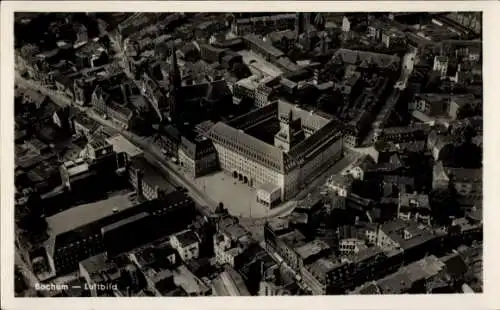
x: 251, y: 154
x: 234, y: 161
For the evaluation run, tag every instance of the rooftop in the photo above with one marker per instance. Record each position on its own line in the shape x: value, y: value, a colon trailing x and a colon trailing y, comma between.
x: 98, y: 143
x: 323, y: 266
x: 355, y: 57
x: 187, y: 237
x: 403, y: 280
x: 414, y: 199
x: 366, y: 253
x: 235, y: 232
x: 269, y: 48
x: 230, y: 283
x: 293, y: 239
x: 151, y: 175
x: 340, y: 180
x: 128, y: 220
x: 188, y: 281
x: 407, y: 234
x: 87, y: 213
x: 121, y: 144
x: 97, y: 263
x: 269, y: 187
x: 312, y: 248
x: 277, y: 224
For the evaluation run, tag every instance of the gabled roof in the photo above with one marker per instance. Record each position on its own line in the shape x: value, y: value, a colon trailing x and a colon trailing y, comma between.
x: 187, y: 237
x: 354, y: 57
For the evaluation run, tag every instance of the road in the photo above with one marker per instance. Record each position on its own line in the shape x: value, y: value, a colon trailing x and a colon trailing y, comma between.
x: 151, y: 151
x: 153, y: 154
x: 204, y: 203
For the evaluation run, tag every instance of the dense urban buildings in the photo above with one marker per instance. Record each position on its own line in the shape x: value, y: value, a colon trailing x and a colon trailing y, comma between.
x: 248, y: 154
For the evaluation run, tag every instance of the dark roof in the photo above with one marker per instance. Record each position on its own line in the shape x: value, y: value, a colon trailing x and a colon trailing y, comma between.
x: 124, y: 222
x: 170, y: 201
x: 187, y: 238
x: 253, y: 39
x: 86, y: 122
x: 172, y: 132
x: 209, y: 90
x: 455, y: 265
x: 151, y: 174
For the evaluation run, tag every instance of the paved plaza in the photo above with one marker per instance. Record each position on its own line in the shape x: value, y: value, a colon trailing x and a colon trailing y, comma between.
x: 240, y: 199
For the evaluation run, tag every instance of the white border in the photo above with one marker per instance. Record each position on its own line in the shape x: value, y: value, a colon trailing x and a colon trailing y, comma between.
x: 487, y: 300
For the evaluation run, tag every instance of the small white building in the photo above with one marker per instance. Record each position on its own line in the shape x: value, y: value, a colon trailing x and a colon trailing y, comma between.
x: 269, y: 195
x: 187, y: 244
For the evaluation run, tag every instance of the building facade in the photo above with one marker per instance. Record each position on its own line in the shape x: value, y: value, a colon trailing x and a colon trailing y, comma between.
x: 257, y: 162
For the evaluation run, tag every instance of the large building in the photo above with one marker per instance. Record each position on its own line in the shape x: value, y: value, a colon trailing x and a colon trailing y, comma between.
x: 264, y: 23
x: 112, y: 225
x: 278, y: 144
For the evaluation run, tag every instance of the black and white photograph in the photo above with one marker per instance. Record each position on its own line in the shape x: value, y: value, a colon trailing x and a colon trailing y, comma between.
x: 246, y: 153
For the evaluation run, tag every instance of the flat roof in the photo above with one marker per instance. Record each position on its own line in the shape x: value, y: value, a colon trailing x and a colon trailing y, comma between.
x: 309, y: 119
x: 293, y: 239
x: 188, y: 281
x: 259, y: 63
x: 128, y: 220
x: 95, y: 263
x: 87, y: 213
x: 122, y: 144
x: 235, y: 231
x: 312, y: 248
x: 269, y: 187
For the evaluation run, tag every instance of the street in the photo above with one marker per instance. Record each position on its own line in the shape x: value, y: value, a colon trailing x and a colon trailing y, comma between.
x: 153, y: 154
x: 204, y: 203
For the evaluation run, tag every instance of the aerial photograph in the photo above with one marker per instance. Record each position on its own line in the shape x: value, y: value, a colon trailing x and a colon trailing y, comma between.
x: 248, y: 154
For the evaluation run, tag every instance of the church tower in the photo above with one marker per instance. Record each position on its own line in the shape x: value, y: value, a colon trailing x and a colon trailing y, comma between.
x: 175, y: 85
